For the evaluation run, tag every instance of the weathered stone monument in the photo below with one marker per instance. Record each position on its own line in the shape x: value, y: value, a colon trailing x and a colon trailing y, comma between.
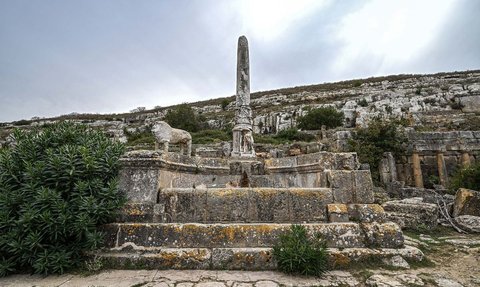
x: 243, y: 130
x: 227, y: 213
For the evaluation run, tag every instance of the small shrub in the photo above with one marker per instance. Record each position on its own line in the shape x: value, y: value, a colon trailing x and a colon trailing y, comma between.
x: 315, y: 118
x: 224, y: 104
x: 297, y: 254
x: 418, y: 91
x: 456, y: 105
x: 56, y: 186
x: 431, y: 181
x: 357, y: 84
x: 388, y: 109
x: 363, y: 103
x: 183, y: 117
x: 467, y: 178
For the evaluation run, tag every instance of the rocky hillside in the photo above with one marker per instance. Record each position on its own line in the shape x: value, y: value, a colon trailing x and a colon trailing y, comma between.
x: 443, y: 101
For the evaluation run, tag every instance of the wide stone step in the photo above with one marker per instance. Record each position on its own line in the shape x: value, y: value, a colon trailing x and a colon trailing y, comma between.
x: 232, y: 205
x: 238, y: 258
x: 243, y: 235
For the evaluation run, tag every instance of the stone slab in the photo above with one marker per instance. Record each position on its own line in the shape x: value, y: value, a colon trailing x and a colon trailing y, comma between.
x: 195, y: 235
x: 244, y: 259
x: 212, y: 205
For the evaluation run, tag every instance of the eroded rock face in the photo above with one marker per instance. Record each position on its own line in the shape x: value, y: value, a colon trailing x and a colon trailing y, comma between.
x: 467, y: 202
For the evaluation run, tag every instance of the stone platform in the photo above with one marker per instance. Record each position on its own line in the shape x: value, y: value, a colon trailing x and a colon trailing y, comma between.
x: 196, y: 213
x: 134, y: 257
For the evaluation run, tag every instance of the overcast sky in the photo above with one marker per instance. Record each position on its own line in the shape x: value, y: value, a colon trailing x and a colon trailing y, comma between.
x: 100, y: 56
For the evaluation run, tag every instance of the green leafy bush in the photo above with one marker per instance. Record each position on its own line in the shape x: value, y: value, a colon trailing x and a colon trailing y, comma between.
x: 296, y: 253
x: 467, y: 178
x: 183, y: 117
x: 371, y: 142
x: 56, y: 186
x: 224, y: 104
x: 363, y: 103
x: 315, y: 118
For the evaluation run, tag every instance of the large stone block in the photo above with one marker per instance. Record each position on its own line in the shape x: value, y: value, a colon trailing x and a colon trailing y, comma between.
x: 139, y: 184
x: 363, y: 186
x: 339, y: 235
x: 308, y: 205
x: 269, y: 205
x: 467, y: 202
x: 167, y: 258
x: 243, y: 259
x: 227, y: 205
x: 183, y: 205
x: 346, y: 161
x: 382, y: 235
x: 366, y: 213
x: 233, y: 235
x: 342, y: 184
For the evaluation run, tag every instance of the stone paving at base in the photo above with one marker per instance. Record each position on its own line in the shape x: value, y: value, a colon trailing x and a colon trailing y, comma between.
x: 181, y: 278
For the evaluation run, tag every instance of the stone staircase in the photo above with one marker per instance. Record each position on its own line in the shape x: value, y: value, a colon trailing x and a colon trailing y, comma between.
x: 215, y: 226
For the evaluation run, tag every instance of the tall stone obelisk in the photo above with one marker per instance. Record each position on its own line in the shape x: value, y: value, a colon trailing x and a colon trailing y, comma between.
x: 243, y: 129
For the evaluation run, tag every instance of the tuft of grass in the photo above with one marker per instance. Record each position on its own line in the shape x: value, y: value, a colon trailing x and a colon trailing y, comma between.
x: 296, y: 253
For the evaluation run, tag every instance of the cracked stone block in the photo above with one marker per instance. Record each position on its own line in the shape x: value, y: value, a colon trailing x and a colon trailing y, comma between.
x: 308, y: 205
x: 342, y: 184
x: 363, y: 186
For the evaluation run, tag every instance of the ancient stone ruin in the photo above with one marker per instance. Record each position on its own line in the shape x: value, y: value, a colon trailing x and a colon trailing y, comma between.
x: 243, y: 129
x: 226, y: 213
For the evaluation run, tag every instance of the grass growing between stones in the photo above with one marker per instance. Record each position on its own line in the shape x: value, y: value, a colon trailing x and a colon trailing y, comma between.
x: 296, y: 253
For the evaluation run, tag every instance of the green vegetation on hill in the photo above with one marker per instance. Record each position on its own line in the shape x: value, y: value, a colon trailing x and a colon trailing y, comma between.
x: 379, y: 137
x: 56, y: 186
x: 183, y: 117
x: 316, y: 118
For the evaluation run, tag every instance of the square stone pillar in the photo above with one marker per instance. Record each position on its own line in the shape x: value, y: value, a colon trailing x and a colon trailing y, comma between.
x: 417, y: 169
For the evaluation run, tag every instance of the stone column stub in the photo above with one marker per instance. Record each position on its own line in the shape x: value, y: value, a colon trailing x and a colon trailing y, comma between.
x: 417, y: 169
